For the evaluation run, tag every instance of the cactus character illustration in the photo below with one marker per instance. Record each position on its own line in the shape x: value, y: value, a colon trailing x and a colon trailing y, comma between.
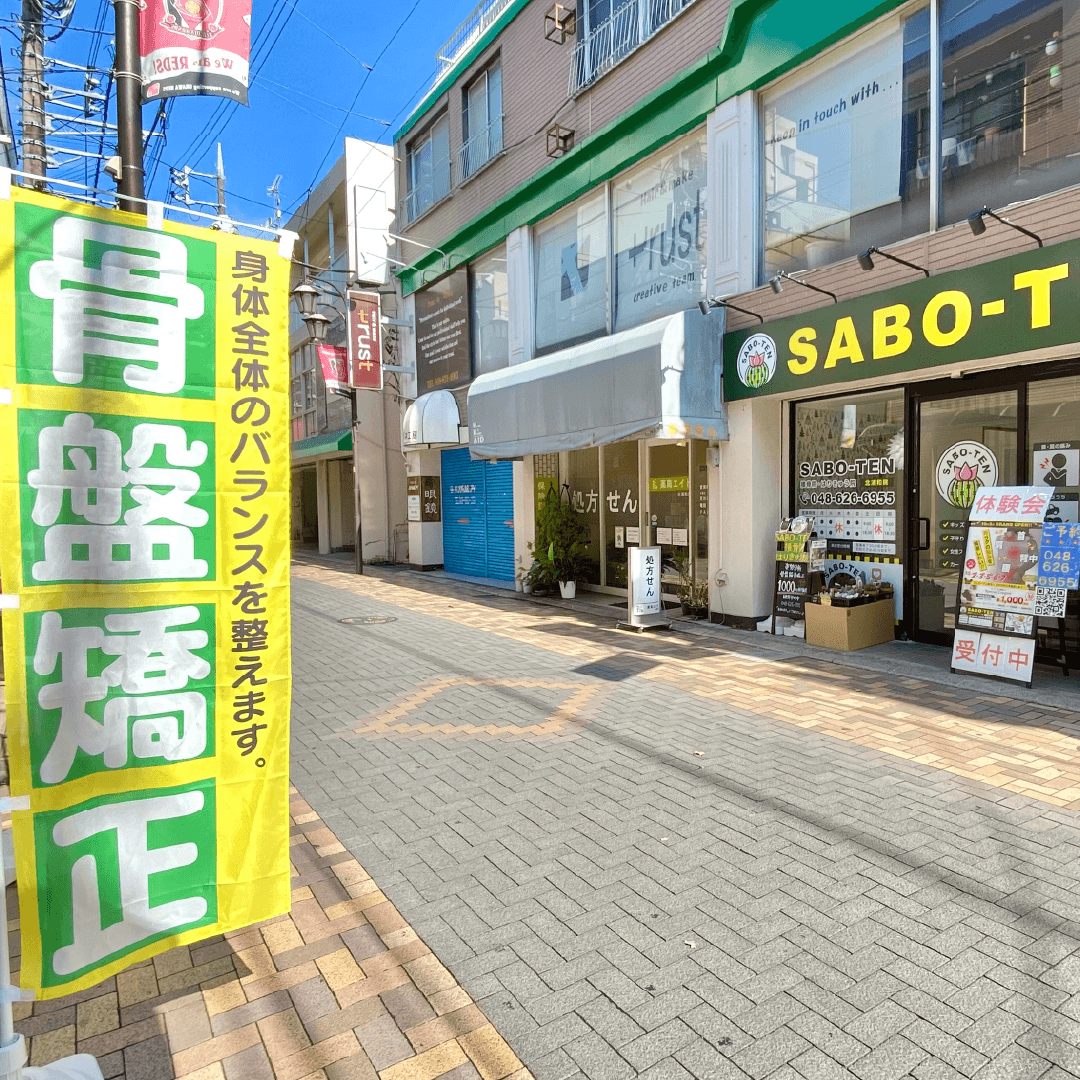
x: 757, y: 373
x: 963, y: 486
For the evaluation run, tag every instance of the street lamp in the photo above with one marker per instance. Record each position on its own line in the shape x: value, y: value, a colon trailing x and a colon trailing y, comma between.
x: 308, y: 299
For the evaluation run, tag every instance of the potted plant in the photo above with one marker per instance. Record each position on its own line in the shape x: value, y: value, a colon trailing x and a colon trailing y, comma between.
x: 692, y: 594
x: 561, y: 544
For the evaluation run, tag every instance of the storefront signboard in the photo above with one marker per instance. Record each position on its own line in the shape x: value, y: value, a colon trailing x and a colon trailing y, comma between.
x: 442, y: 334
x: 999, y: 602
x: 365, y: 340
x: 144, y: 537
x: 1011, y: 305
x: 1059, y: 556
x: 792, y: 583
x: 644, y: 582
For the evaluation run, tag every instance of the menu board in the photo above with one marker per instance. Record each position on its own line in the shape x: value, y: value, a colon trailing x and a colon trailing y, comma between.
x: 792, y: 572
x: 999, y: 601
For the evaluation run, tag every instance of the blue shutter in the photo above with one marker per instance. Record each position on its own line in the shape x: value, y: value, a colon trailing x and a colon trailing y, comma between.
x: 499, y: 484
x: 478, y: 516
x: 464, y: 517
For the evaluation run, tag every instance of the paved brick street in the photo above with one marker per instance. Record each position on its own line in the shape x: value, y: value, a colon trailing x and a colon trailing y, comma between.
x: 677, y: 856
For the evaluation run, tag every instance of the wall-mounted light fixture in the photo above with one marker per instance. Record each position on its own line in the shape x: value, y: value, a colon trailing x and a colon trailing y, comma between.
x: 866, y: 260
x: 978, y: 226
x: 705, y: 306
x: 776, y: 284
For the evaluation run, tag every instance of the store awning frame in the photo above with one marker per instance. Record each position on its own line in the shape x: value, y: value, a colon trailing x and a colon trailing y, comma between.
x: 433, y: 419
x: 662, y: 379
x: 328, y: 443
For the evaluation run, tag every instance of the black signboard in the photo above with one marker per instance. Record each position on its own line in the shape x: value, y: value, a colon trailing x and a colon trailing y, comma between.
x: 792, y: 575
x: 442, y: 334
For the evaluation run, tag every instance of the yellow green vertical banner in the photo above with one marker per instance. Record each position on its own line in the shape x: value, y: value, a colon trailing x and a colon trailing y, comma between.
x: 144, y: 561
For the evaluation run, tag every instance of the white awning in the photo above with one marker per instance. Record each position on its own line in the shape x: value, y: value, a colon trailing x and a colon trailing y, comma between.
x: 661, y: 380
x: 432, y: 419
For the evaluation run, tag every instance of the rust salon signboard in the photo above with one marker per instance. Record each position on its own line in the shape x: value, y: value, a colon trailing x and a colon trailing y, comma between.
x: 1025, y: 302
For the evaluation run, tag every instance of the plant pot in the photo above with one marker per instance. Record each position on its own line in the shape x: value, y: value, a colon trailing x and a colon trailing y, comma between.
x: 686, y: 608
x: 568, y: 589
x: 700, y: 612
x: 526, y: 588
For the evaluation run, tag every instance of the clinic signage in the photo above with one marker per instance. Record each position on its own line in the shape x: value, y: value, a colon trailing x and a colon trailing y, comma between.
x: 1025, y: 302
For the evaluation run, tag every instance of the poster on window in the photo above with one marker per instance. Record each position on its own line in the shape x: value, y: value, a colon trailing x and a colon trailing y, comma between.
x: 833, y: 137
x: 144, y: 536
x: 195, y: 47
x: 659, y: 211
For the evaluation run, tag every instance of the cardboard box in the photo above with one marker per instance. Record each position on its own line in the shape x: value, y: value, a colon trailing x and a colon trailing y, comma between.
x: 848, y: 629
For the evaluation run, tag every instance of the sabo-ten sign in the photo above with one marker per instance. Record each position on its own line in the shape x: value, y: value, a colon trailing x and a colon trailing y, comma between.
x: 1027, y: 301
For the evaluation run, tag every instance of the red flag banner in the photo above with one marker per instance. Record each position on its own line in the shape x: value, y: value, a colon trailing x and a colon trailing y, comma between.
x: 195, y: 47
x: 334, y: 361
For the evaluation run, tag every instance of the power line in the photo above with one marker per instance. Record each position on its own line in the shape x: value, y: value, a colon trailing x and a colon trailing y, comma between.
x: 327, y: 34
x: 319, y: 101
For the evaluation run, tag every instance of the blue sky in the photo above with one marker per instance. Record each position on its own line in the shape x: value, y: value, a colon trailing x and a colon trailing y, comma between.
x: 307, y: 71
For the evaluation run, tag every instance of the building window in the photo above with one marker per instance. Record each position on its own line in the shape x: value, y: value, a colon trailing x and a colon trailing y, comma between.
x: 489, y: 304
x: 610, y: 30
x: 427, y: 169
x: 571, y: 273
x: 846, y: 145
x: 482, y: 121
x: 659, y: 218
x: 1010, y: 101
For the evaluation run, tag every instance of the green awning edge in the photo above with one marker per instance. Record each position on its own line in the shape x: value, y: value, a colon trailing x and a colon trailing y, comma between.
x: 762, y: 40
x: 329, y: 443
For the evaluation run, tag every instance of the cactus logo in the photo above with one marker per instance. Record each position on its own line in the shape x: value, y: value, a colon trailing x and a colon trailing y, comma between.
x: 963, y: 469
x: 756, y: 362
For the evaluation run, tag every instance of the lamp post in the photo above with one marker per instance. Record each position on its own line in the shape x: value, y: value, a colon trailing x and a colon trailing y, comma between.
x: 308, y: 299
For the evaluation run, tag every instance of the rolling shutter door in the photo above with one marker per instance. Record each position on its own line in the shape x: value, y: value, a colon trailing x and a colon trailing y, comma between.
x: 499, y: 485
x: 464, y: 517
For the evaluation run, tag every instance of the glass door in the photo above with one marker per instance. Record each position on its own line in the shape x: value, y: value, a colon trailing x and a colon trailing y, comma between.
x: 964, y: 442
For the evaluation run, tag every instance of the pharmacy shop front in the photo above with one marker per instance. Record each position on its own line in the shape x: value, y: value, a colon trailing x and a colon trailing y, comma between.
x: 897, y: 407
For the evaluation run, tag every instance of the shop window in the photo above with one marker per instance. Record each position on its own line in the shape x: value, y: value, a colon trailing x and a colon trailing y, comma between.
x: 849, y: 477
x: 490, y: 312
x: 571, y: 273
x: 846, y: 145
x: 583, y: 477
x: 669, y: 508
x: 1010, y: 102
x: 1053, y: 435
x: 427, y: 169
x: 621, y: 509
x: 659, y: 220
x: 482, y: 121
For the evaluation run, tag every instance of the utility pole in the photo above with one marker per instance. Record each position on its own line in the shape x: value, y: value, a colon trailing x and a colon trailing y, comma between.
x: 220, y: 184
x: 129, y: 105
x: 33, y: 91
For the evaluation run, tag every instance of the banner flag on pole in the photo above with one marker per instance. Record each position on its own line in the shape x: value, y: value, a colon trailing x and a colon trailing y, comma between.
x: 144, y: 529
x: 195, y: 47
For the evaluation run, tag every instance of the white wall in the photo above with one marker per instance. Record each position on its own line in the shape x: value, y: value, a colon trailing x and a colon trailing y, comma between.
x: 749, y: 506
x: 524, y: 515
x: 733, y: 196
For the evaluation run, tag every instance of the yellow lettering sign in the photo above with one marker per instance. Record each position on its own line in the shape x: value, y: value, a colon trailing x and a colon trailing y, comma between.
x: 845, y: 343
x: 1038, y: 281
x: 800, y: 345
x: 931, y: 319
x: 891, y: 334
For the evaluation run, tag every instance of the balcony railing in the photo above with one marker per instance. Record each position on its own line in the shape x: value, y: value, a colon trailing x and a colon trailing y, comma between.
x: 432, y: 188
x: 480, y: 18
x: 613, y: 40
x: 481, y: 148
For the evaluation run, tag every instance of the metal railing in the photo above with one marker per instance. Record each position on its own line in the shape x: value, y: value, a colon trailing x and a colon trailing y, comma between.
x: 433, y: 187
x: 481, y: 148
x: 479, y: 19
x: 613, y: 40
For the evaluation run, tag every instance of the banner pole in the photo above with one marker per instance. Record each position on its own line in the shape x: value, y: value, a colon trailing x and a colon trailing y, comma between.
x: 129, y: 104
x: 12, y: 1046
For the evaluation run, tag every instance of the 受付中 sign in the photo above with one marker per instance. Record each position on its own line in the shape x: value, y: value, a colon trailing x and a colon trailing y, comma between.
x: 144, y: 529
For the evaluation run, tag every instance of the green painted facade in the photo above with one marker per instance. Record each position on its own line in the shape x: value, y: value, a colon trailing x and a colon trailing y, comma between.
x: 762, y: 40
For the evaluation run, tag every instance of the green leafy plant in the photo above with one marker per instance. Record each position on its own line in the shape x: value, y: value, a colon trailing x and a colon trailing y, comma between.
x: 562, y: 541
x: 693, y: 594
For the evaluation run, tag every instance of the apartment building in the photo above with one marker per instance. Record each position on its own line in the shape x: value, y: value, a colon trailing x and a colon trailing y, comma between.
x: 613, y: 204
